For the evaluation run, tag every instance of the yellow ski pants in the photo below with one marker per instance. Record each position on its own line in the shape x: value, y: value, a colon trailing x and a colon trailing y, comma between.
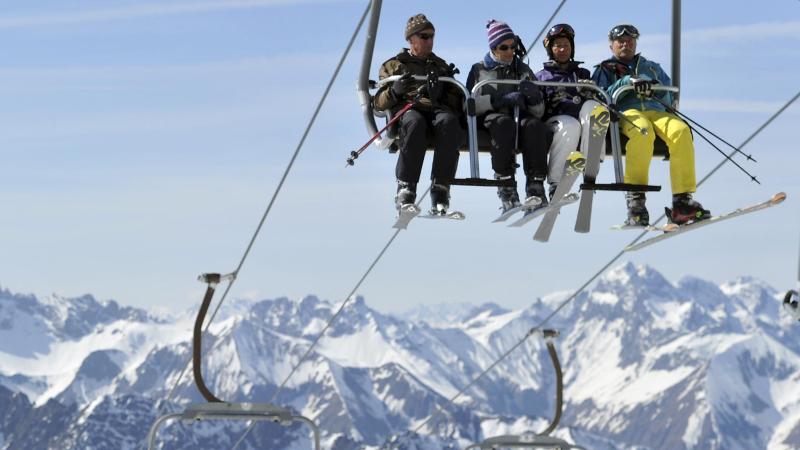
x: 639, y: 150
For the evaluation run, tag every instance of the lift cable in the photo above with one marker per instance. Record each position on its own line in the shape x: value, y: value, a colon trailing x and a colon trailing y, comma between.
x: 280, y: 185
x: 544, y: 28
x: 535, y: 329
x: 330, y: 321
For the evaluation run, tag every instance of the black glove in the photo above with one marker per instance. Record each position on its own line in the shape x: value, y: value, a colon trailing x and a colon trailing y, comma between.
x: 434, y: 87
x: 532, y: 93
x: 401, y: 86
x: 643, y: 87
x: 509, y: 100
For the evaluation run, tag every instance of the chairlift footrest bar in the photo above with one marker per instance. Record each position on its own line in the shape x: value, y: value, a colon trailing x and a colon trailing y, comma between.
x: 620, y: 187
x: 478, y: 182
x: 248, y: 411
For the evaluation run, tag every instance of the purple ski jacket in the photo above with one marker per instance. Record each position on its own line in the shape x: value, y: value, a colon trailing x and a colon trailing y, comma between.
x: 560, y: 100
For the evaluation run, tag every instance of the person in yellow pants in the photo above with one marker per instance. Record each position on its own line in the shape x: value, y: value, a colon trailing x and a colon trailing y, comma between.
x: 627, y: 67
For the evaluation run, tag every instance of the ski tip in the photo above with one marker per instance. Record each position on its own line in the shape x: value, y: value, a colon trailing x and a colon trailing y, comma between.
x: 779, y: 197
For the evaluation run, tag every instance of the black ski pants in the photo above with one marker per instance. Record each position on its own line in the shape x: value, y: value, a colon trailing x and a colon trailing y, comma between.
x: 534, y: 142
x: 447, y: 137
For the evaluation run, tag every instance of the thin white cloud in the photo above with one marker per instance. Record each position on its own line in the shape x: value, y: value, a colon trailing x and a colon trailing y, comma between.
x: 731, y: 106
x: 141, y: 11
x: 750, y: 32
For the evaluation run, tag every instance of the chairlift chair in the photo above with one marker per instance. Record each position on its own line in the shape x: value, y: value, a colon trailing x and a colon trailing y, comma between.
x: 477, y: 139
x: 216, y: 409
x: 542, y: 440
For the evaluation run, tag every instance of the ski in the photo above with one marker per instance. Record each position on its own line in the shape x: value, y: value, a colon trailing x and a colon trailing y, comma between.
x: 404, y: 216
x: 530, y: 203
x: 452, y: 215
x: 568, y: 199
x: 625, y: 226
x: 671, y: 230
x: 573, y: 167
x: 598, y: 123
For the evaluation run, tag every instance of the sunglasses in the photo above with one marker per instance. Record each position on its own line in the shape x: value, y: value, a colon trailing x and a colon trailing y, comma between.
x: 504, y: 47
x: 425, y: 36
x: 561, y: 30
x: 621, y: 30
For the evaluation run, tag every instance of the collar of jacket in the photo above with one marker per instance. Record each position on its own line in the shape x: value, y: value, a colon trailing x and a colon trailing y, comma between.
x: 614, y: 61
x: 406, y: 56
x: 553, y: 66
x: 491, y: 64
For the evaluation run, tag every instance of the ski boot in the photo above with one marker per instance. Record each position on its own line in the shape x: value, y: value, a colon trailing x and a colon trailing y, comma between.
x: 686, y: 210
x: 534, y: 187
x: 440, y: 199
x: 637, y: 211
x: 509, y: 198
x: 406, y: 194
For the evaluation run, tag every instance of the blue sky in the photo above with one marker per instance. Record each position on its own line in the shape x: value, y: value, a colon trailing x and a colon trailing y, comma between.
x: 141, y: 142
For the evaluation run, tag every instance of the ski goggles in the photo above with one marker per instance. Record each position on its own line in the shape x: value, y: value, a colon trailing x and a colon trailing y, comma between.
x: 504, y: 47
x: 621, y: 30
x: 562, y: 29
x: 425, y: 36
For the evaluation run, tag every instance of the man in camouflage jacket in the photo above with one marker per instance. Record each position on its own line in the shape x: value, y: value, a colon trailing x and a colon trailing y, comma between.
x: 438, y: 108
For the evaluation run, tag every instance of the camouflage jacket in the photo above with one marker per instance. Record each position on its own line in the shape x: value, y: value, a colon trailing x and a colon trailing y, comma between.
x: 451, y: 97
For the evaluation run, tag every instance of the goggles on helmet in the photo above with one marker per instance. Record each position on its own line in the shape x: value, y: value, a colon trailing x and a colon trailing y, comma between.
x: 562, y: 29
x: 621, y: 30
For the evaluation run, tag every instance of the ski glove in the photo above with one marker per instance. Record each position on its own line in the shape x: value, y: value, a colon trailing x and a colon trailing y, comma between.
x: 643, y: 87
x: 532, y: 93
x: 403, y: 85
x: 509, y: 100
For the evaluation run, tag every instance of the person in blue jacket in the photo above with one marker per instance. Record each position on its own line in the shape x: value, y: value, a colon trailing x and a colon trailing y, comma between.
x: 626, y: 67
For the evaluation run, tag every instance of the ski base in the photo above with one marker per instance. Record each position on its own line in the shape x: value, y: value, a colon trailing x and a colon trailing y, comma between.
x: 452, y: 215
x: 671, y: 230
x: 624, y: 226
x: 530, y: 203
x: 573, y: 167
x: 567, y: 200
x: 405, y: 214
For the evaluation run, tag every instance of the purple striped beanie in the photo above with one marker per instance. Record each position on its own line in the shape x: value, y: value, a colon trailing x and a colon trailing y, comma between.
x: 498, y: 32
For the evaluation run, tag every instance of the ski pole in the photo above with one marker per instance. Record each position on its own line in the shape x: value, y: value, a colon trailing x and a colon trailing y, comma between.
x: 618, y: 114
x: 688, y: 119
x: 674, y: 111
x: 613, y: 108
x: 516, y: 128
x: 356, y: 153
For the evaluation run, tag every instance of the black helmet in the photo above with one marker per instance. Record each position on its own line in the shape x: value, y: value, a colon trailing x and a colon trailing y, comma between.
x: 557, y: 31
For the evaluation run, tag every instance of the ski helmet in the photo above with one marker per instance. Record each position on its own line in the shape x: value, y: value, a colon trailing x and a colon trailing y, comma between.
x: 557, y: 31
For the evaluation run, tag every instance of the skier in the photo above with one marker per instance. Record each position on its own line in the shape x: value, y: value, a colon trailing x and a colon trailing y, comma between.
x: 627, y: 67
x: 495, y: 106
x: 791, y: 302
x: 567, y: 109
x: 438, y: 108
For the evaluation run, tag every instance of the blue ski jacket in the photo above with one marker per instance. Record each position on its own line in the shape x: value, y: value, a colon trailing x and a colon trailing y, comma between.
x: 612, y: 74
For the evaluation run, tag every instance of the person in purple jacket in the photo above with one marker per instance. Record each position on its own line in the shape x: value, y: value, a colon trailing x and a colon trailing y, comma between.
x: 567, y: 110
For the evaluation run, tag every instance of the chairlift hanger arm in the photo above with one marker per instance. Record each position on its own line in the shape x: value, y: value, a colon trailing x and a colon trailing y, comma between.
x: 541, y: 440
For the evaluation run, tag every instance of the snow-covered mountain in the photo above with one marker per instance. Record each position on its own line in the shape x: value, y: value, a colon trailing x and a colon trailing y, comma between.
x: 647, y: 364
